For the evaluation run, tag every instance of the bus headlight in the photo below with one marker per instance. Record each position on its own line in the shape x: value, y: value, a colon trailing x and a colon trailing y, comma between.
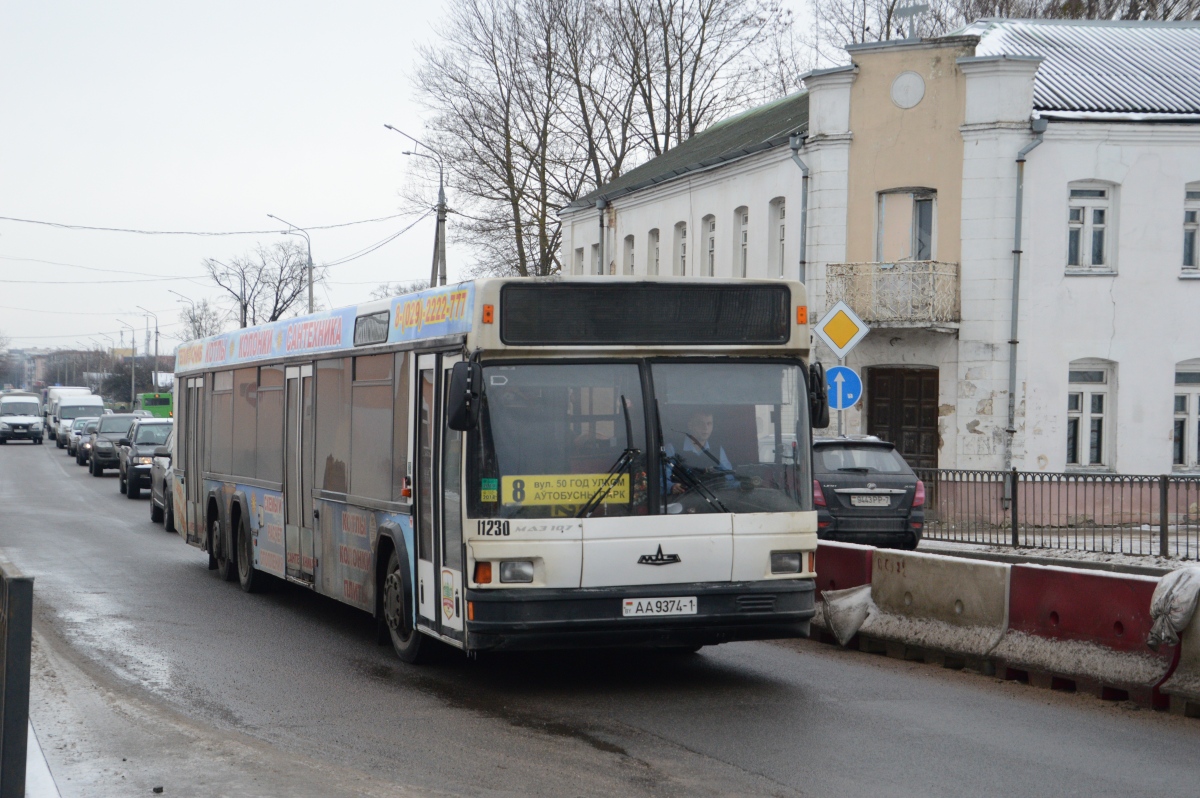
x: 516, y: 571
x: 785, y: 562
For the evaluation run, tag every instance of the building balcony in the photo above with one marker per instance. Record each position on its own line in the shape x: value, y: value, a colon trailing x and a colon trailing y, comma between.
x: 922, y: 293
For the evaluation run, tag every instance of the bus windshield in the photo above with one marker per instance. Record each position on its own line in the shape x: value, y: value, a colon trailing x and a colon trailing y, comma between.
x: 567, y: 439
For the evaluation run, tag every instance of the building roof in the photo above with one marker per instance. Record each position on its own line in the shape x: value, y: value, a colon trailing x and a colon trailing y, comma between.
x: 1099, y: 67
x: 752, y: 131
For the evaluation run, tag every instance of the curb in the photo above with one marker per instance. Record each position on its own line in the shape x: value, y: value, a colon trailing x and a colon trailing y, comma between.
x: 1062, y: 562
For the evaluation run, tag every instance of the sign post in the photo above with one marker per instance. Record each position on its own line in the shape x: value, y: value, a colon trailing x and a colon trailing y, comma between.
x: 841, y: 329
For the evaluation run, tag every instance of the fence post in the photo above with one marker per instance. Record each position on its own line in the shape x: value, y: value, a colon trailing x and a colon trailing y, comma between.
x: 1163, y: 542
x: 17, y: 639
x: 1016, y: 537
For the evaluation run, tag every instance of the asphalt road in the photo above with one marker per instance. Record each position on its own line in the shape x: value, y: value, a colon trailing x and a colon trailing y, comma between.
x: 148, y: 671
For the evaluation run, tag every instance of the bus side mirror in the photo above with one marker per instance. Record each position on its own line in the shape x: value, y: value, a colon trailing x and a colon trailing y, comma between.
x: 463, y: 398
x: 818, y: 396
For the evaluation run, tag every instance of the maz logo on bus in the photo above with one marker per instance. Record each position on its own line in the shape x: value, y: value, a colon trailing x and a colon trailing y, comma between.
x: 493, y: 528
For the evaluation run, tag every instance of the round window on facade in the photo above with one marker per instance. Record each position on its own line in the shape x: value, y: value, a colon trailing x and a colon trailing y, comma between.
x: 907, y: 89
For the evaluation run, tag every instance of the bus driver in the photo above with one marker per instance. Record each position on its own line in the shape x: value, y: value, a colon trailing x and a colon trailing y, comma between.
x: 697, y: 452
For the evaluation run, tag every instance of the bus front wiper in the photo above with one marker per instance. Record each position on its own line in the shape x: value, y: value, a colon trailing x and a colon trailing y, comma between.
x: 613, y: 476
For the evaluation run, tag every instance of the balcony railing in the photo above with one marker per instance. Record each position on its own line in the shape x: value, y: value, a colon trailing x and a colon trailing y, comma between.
x: 921, y: 293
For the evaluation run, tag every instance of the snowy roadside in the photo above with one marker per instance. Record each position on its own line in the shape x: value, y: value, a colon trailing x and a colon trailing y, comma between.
x: 1116, y: 562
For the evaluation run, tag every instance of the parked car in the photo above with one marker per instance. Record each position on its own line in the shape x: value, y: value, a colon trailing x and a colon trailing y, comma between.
x: 136, y: 452
x: 77, y: 427
x: 866, y: 493
x: 111, y: 429
x: 162, y: 507
x: 20, y: 418
x: 83, y: 451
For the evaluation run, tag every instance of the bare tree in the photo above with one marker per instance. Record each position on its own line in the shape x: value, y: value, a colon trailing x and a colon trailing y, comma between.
x: 537, y: 102
x: 385, y: 290
x: 201, y: 320
x: 266, y: 283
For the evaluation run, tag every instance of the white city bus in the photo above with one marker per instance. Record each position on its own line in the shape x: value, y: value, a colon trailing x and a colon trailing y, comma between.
x: 508, y: 464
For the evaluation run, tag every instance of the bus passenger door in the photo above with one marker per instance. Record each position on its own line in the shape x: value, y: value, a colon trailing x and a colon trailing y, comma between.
x: 193, y: 461
x: 298, y: 473
x: 439, y: 508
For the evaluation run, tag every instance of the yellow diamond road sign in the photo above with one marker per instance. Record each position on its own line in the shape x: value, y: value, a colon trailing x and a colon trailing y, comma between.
x: 841, y: 329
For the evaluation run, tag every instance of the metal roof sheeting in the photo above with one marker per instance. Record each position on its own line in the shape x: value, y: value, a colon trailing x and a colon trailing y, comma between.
x: 1103, y: 66
x: 752, y: 131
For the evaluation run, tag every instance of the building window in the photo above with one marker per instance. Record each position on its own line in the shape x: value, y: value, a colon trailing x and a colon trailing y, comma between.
x: 1191, y: 226
x: 596, y: 259
x: 741, y: 224
x: 775, y: 244
x: 1089, y: 217
x: 1185, y: 440
x: 628, y: 255
x: 709, y: 225
x: 907, y: 221
x: 1089, y: 412
x: 679, y: 268
x: 578, y: 267
x: 652, y: 252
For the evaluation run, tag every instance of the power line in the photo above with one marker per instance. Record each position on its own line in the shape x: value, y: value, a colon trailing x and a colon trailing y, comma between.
x: 100, y: 282
x: 373, y: 247
x: 87, y: 268
x: 91, y: 332
x: 84, y: 312
x: 90, y: 228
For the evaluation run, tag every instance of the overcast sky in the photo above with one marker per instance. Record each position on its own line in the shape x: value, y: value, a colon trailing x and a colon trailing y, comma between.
x: 200, y: 117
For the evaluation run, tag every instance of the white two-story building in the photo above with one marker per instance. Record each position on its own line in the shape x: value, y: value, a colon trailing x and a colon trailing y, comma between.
x: 893, y: 183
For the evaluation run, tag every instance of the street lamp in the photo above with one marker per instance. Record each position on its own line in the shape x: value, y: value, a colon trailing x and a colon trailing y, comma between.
x: 300, y: 231
x: 438, y: 274
x: 154, y: 371
x: 132, y: 361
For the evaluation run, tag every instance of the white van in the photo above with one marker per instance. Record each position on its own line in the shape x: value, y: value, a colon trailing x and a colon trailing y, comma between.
x: 20, y: 417
x: 71, y: 408
x: 53, y: 395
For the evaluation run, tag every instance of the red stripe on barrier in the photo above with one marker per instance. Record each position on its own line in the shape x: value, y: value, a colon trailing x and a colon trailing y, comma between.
x: 1065, y: 604
x: 842, y: 565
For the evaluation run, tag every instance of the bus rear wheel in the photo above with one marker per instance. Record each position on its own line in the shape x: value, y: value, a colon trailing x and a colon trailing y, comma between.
x: 226, y: 567
x: 249, y: 578
x: 409, y: 644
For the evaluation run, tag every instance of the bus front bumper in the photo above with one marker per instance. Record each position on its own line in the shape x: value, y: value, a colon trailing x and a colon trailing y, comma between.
x: 510, y: 619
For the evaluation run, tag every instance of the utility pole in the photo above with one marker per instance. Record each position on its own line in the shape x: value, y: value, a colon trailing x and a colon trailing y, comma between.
x: 132, y: 362
x: 437, y: 275
x: 155, y: 370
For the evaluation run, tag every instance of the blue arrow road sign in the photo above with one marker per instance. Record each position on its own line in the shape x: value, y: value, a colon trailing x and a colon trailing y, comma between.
x: 845, y: 387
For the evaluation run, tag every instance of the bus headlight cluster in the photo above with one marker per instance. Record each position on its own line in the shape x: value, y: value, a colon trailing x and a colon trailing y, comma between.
x: 518, y: 571
x: 785, y: 562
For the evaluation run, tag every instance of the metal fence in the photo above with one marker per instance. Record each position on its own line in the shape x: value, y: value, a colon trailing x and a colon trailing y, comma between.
x: 1090, y: 512
x: 16, y: 643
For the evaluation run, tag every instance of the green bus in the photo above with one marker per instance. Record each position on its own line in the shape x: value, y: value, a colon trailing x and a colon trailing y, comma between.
x: 159, y: 405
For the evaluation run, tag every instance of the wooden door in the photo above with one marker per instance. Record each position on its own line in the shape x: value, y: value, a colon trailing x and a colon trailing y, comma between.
x: 902, y: 408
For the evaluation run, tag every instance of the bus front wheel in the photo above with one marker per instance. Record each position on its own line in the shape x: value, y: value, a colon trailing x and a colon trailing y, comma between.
x: 409, y: 644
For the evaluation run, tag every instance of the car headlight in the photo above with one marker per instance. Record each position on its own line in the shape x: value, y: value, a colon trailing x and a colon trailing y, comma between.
x: 3, y: 427
x: 143, y: 460
x: 519, y: 571
x: 785, y: 562
x: 87, y: 444
x: 36, y: 427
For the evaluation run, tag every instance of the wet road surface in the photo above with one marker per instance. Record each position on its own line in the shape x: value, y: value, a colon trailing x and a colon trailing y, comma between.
x: 149, y: 671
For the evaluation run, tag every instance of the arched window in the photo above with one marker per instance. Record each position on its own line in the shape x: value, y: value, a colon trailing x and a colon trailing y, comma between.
x: 679, y: 265
x: 628, y: 261
x: 1090, y: 412
x: 777, y: 212
x: 741, y: 242
x: 652, y: 252
x: 709, y: 225
x: 1091, y: 215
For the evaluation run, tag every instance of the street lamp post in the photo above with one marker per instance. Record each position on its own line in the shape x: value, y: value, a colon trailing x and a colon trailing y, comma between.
x: 155, y: 369
x: 300, y: 231
x: 132, y: 362
x: 438, y: 273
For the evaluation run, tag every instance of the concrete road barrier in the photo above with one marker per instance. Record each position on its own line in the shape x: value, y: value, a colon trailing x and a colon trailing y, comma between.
x: 842, y: 565
x: 1183, y: 685
x: 935, y: 603
x: 1072, y: 629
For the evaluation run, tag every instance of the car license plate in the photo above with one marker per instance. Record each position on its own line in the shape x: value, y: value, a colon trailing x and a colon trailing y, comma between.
x: 870, y: 501
x: 640, y: 607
